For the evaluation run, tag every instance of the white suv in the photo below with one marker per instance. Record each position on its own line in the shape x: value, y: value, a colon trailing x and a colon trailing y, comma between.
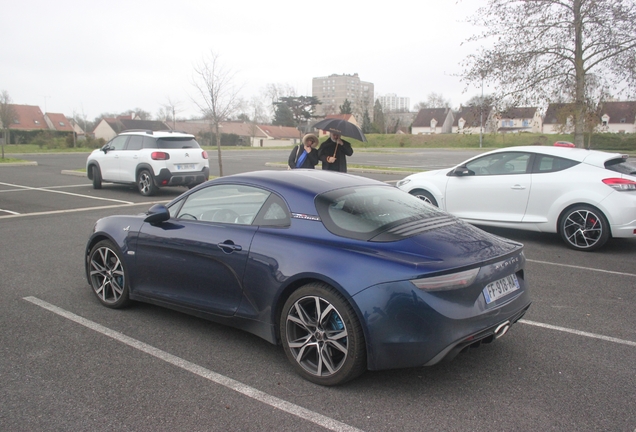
x: 150, y: 160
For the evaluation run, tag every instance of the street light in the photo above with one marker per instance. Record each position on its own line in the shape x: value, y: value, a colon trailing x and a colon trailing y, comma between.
x: 481, y: 113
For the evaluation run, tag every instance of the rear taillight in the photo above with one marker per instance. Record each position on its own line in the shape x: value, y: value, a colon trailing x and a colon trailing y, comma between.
x: 447, y: 282
x: 160, y: 156
x: 620, y: 184
x: 204, y: 154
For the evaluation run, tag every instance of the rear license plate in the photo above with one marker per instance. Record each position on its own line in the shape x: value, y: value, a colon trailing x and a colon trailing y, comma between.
x: 185, y: 167
x: 499, y: 288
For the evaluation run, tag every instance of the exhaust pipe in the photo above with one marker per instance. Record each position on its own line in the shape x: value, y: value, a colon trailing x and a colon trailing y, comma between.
x: 502, y: 329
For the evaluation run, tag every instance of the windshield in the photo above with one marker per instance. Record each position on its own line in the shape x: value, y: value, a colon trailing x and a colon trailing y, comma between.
x: 366, y: 212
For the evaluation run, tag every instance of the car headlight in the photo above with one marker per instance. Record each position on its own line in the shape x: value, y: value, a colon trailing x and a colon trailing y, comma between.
x: 403, y: 182
x: 447, y: 282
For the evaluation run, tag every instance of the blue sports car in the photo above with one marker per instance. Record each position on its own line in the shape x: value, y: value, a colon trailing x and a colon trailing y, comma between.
x: 347, y: 273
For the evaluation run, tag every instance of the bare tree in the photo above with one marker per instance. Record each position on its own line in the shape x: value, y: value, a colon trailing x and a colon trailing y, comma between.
x: 220, y: 97
x: 7, y: 117
x: 543, y: 50
x: 433, y: 100
x: 274, y: 92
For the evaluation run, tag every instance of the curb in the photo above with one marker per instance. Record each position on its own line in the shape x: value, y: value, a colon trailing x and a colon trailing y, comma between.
x: 74, y: 173
x: 350, y: 169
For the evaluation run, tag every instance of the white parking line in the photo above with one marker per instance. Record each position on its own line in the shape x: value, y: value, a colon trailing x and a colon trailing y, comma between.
x: 579, y: 333
x: 303, y: 413
x: 59, y: 192
x: 582, y: 268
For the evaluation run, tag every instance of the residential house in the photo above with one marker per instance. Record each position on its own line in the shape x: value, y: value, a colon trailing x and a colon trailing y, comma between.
x: 558, y: 119
x: 618, y: 117
x: 253, y: 135
x: 29, y: 118
x: 519, y: 119
x: 108, y: 128
x: 279, y: 136
x: 433, y: 121
x: 473, y: 119
x: 58, y: 122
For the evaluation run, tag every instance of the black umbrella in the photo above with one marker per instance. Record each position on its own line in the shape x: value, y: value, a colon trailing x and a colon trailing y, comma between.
x: 341, y: 127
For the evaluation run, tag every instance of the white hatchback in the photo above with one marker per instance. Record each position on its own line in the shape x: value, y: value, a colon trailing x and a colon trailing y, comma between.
x: 586, y: 196
x: 149, y: 160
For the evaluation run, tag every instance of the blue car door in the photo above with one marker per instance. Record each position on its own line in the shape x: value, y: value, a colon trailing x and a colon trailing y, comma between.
x: 197, y: 264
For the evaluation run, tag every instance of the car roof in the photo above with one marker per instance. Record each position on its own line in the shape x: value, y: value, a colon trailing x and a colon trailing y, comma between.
x: 158, y: 134
x: 592, y: 157
x: 299, y: 187
x: 313, y: 181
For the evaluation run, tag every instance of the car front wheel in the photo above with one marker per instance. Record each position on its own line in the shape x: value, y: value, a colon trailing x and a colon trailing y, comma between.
x: 425, y: 196
x: 322, y: 336
x: 146, y: 183
x: 107, y: 275
x: 97, y: 177
x: 584, y: 228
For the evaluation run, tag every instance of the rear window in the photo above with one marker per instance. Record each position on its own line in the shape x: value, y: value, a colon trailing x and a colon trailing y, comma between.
x: 370, y: 212
x: 621, y: 165
x: 176, y: 143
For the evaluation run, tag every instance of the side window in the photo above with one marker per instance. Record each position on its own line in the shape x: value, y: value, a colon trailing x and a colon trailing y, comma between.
x: 135, y: 142
x: 150, y: 142
x: 118, y: 143
x: 500, y: 164
x: 232, y: 204
x: 273, y: 213
x: 546, y: 163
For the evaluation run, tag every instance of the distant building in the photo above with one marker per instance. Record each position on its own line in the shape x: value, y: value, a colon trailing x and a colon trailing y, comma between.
x: 392, y: 102
x: 431, y: 121
x: 109, y: 128
x: 334, y: 89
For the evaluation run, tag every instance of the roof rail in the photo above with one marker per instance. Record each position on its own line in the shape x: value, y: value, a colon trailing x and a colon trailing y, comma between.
x: 148, y: 131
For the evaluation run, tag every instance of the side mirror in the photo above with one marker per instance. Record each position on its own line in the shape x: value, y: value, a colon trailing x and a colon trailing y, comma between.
x: 461, y: 171
x: 106, y: 148
x: 157, y: 213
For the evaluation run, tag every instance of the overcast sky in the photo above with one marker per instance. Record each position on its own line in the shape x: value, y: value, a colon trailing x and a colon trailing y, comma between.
x: 93, y: 57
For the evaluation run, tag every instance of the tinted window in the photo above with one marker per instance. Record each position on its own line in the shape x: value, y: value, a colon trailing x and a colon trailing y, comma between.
x: 233, y: 204
x: 135, y: 142
x: 621, y: 165
x: 176, y: 143
x: 500, y: 163
x: 546, y: 163
x: 365, y: 212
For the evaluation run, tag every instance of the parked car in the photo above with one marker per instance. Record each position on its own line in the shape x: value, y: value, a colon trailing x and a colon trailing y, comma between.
x: 586, y: 196
x: 149, y: 160
x: 347, y: 273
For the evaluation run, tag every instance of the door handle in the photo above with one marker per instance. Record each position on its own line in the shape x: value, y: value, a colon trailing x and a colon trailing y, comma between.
x: 518, y: 187
x: 228, y: 247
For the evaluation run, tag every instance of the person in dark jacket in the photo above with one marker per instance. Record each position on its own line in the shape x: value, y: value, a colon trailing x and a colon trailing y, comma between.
x: 304, y: 155
x: 333, y: 153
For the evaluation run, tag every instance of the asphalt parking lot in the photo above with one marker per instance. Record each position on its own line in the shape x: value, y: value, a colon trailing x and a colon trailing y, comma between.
x: 67, y: 363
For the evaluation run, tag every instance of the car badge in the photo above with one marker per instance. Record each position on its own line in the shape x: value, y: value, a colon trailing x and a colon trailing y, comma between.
x: 187, y: 155
x: 127, y: 228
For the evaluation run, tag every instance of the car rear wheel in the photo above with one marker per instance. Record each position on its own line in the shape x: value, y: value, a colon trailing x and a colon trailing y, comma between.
x: 97, y: 177
x: 424, y: 196
x: 146, y: 183
x: 107, y: 275
x: 322, y: 336
x: 584, y: 228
